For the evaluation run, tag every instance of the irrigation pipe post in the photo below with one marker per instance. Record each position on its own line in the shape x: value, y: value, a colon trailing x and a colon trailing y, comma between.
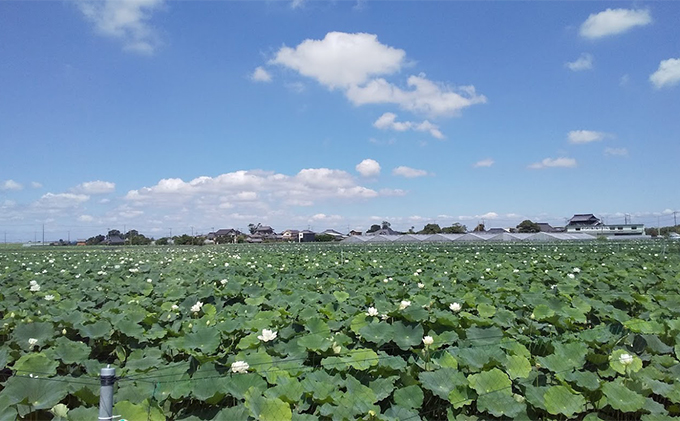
x: 108, y: 378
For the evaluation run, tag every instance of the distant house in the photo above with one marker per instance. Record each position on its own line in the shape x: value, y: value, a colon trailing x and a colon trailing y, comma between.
x: 114, y: 240
x: 264, y: 230
x: 355, y: 232
x: 334, y: 233
x: 590, y: 224
x: 81, y: 242
x: 290, y: 235
x: 384, y: 231
x: 306, y: 236
x: 496, y: 230
x: 545, y: 227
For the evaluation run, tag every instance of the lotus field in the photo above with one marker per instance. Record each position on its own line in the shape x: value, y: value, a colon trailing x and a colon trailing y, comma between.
x: 305, y: 332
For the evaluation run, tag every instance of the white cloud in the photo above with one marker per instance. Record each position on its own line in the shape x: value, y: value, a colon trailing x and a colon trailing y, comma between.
x: 425, y: 96
x: 613, y: 21
x: 409, y: 172
x: 584, y: 62
x: 297, y: 3
x: 488, y: 215
x: 61, y: 200
x: 125, y: 20
x: 368, y: 168
x: 95, y: 187
x: 322, y: 217
x: 357, y: 63
x: 554, y: 163
x: 11, y: 185
x: 393, y: 192
x: 624, y: 80
x: 261, y: 75
x: 484, y: 163
x: 36, y: 185
x: 85, y: 218
x: 341, y: 59
x: 586, y: 136
x: 668, y: 73
x: 388, y: 121
x: 616, y: 152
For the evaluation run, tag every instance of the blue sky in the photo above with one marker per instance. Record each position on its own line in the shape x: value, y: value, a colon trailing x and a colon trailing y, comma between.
x: 159, y: 115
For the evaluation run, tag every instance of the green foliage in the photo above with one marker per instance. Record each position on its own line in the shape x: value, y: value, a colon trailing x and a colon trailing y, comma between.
x: 549, y: 332
x: 430, y: 229
x: 528, y: 226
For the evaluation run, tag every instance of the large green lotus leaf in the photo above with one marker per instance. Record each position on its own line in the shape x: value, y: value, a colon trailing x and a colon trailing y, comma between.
x: 516, y: 348
x: 543, y: 312
x: 500, y: 404
x: 43, y: 332
x: 566, y: 357
x: 534, y: 395
x: 486, y: 310
x: 320, y: 384
x: 361, y: 359
x: 68, y: 351
x: 441, y: 382
x: 317, y: 326
x: 622, y: 398
x: 4, y: 357
x: 616, y: 362
x: 461, y: 396
x: 37, y: 393
x: 341, y: 296
x: 205, y: 339
x: 37, y: 364
x: 7, y: 412
x: 477, y: 357
x: 135, y: 392
x: 82, y: 413
x: 288, y: 389
x: 378, y: 333
x: 130, y: 328
x: 396, y: 413
x: 391, y: 362
x: 560, y: 400
x: 315, y: 342
x: 583, y: 379
x: 407, y: 336
x: 98, y: 329
x: 259, y: 361
x: 493, y: 380
x: 409, y: 396
x: 446, y: 360
x: 383, y: 387
x: 268, y: 409
x: 483, y: 336
x: 643, y: 326
x: 517, y: 366
x: 238, y: 384
x: 142, y: 411
x: 175, y: 389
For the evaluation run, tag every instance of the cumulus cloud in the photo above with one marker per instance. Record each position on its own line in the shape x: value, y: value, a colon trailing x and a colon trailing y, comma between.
x: 488, y: 215
x: 667, y: 75
x: 387, y: 121
x: 125, y: 20
x: 584, y: 62
x: 368, y: 168
x: 585, y: 136
x: 260, y: 75
x: 616, y: 152
x: 95, y: 187
x: 322, y: 217
x: 357, y: 63
x: 36, y: 185
x: 85, y: 218
x: 409, y: 172
x: 341, y: 59
x: 484, y: 163
x: 254, y: 189
x: 11, y: 185
x: 613, y: 21
x: 61, y: 200
x: 554, y: 163
x: 424, y: 96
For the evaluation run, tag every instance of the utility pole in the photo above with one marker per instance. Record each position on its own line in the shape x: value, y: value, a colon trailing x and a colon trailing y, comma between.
x: 192, y: 230
x: 43, y: 234
x: 675, y: 221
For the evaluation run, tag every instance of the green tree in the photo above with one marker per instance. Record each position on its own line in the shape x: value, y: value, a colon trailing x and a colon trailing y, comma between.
x: 430, y: 229
x: 374, y: 228
x: 479, y: 228
x: 528, y: 226
x: 163, y: 241
x: 93, y: 241
x: 324, y: 238
x: 455, y: 229
x: 652, y: 231
x: 385, y: 225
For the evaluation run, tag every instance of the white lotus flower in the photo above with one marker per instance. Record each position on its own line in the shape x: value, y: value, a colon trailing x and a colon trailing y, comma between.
x: 32, y: 342
x: 197, y: 307
x: 49, y: 297
x: 372, y: 311
x: 267, y: 335
x: 404, y: 304
x: 223, y: 281
x: 428, y: 340
x: 576, y: 270
x: 175, y: 307
x: 239, y: 367
x: 570, y: 275
x: 456, y: 307
x: 421, y: 285
x: 626, y: 359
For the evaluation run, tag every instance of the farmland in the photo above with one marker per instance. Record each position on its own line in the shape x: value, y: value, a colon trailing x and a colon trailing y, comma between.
x: 398, y: 332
